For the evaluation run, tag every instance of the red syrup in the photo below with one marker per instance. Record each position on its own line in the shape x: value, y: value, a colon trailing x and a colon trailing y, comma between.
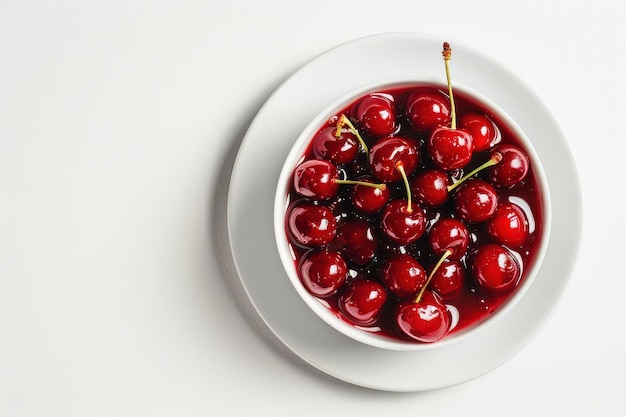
x: 472, y: 304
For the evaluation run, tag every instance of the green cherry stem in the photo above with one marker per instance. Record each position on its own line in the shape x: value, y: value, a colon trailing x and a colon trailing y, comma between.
x: 365, y: 183
x: 495, y: 158
x: 344, y: 121
x: 447, y: 54
x: 400, y: 168
x: 445, y: 255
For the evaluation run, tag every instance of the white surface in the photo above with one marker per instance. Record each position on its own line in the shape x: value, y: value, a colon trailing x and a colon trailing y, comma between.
x: 119, y: 123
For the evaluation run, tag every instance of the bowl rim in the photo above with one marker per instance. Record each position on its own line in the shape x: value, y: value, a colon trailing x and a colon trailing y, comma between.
x: 294, y: 157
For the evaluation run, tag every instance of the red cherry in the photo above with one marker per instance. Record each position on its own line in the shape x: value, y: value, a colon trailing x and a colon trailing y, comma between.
x: 362, y: 302
x: 323, y: 273
x: 508, y: 225
x: 450, y: 148
x: 401, y: 225
x: 427, y: 109
x: 388, y: 153
x: 376, y: 115
x: 369, y: 200
x: 484, y: 132
x: 476, y: 201
x: 447, y: 280
x: 359, y: 241
x: 495, y: 268
x: 512, y: 168
x: 449, y: 234
x: 311, y: 225
x: 339, y: 150
x: 315, y: 179
x: 427, y: 320
x: 430, y: 188
x: 318, y: 179
x: 403, y: 275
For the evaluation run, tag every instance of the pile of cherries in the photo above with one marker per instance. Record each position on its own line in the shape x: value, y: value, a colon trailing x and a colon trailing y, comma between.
x: 407, y: 225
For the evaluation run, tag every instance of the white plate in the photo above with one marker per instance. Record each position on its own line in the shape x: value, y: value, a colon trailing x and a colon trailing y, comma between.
x: 251, y: 197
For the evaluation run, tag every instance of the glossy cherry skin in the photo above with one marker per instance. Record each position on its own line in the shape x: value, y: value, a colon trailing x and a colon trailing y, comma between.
x: 512, y: 169
x: 495, y: 268
x: 315, y: 179
x: 449, y: 234
x: 311, y: 225
x: 369, y: 200
x: 430, y: 188
x: 508, y: 225
x: 375, y: 115
x: 427, y: 109
x: 400, y: 225
x: 388, y: 152
x: 484, y: 132
x: 450, y: 148
x: 426, y: 321
x: 475, y: 201
x: 359, y: 241
x: 362, y: 302
x: 448, y: 279
x: 322, y: 273
x: 403, y: 275
x: 339, y: 150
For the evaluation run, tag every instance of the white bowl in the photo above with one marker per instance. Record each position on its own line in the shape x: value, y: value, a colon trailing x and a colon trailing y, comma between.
x: 287, y: 257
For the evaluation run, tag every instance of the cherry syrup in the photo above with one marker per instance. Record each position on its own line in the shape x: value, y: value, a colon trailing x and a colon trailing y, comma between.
x: 473, y: 303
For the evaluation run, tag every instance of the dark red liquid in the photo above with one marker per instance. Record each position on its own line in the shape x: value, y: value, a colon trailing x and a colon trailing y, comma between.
x: 473, y: 304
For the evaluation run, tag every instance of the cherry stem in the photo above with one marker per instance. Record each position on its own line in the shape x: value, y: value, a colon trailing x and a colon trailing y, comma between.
x: 400, y: 168
x: 495, y: 158
x: 344, y: 121
x: 447, y: 53
x: 445, y: 255
x: 365, y: 183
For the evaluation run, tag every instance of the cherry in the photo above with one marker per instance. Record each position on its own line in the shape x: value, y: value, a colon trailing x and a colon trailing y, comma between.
x: 495, y: 268
x: 315, y: 179
x: 484, y: 132
x: 318, y: 179
x: 448, y: 279
x: 427, y: 109
x: 426, y: 320
x: 359, y: 241
x: 450, y: 148
x: 401, y: 224
x: 476, y: 201
x: 389, y: 153
x: 513, y: 167
x: 508, y: 225
x: 362, y: 301
x: 323, y: 273
x: 400, y: 220
x: 402, y: 274
x: 449, y: 235
x: 369, y: 200
x: 376, y: 115
x: 426, y: 317
x: 430, y: 188
x: 312, y: 225
x: 339, y: 150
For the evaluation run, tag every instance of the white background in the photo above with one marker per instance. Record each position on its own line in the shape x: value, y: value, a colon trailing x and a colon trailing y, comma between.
x: 119, y: 125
